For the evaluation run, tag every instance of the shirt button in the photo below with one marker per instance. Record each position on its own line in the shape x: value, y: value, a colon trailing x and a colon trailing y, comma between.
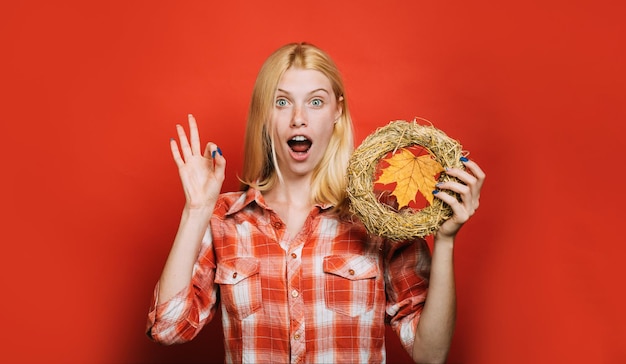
x: 294, y: 293
x: 296, y: 336
x: 277, y: 225
x: 351, y: 271
x: 235, y: 275
x: 294, y: 256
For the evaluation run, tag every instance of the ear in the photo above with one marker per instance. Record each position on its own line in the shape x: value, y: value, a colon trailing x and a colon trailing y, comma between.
x: 339, y: 108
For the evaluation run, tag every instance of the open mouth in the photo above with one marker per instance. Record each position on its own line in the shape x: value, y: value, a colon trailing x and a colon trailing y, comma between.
x: 299, y: 144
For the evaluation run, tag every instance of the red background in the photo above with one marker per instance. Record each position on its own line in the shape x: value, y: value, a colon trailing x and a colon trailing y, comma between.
x: 91, y: 92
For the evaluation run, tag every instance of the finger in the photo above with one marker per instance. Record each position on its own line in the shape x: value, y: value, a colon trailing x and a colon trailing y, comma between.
x: 184, y: 143
x: 213, y: 152
x: 460, y: 212
x: 194, y: 136
x: 460, y: 188
x: 209, y: 150
x: 176, y: 153
x: 476, y: 171
x: 469, y: 192
x: 220, y: 162
x: 468, y: 199
x: 464, y: 176
x: 475, y: 185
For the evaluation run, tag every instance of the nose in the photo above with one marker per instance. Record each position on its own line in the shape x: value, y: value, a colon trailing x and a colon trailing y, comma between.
x: 299, y: 117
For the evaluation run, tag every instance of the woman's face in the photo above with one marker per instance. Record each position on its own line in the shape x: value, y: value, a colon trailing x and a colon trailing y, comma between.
x: 304, y: 114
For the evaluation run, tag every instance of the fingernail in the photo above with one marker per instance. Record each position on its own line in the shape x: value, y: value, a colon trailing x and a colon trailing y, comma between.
x: 435, y: 192
x: 213, y: 154
x: 439, y: 184
x: 463, y: 159
x: 171, y: 139
x: 219, y: 150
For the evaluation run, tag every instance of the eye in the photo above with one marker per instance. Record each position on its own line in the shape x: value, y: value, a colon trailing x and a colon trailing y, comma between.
x: 317, y: 102
x: 281, y: 103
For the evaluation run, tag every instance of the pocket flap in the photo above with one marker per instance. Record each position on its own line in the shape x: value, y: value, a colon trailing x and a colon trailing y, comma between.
x: 351, y: 266
x: 234, y: 270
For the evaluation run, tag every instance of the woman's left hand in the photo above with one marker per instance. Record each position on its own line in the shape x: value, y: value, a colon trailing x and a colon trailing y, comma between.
x: 469, y: 190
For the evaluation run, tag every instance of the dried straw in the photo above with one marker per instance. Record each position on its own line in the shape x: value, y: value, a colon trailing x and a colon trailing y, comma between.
x: 380, y: 219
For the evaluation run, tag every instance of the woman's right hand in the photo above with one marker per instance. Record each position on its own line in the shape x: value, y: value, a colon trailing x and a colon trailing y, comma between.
x: 201, y: 174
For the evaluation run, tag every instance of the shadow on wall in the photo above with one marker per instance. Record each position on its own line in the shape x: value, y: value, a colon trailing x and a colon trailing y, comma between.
x: 207, y: 347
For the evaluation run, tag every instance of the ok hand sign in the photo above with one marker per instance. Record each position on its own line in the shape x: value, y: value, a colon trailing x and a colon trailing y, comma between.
x: 201, y: 174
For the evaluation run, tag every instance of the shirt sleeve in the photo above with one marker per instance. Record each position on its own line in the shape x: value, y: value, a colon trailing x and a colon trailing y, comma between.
x: 407, y: 272
x: 181, y: 318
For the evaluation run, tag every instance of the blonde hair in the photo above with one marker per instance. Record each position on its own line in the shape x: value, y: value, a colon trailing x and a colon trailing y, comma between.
x: 260, y: 169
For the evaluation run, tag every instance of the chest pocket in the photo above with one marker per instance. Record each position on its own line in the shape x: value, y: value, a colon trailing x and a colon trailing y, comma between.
x: 350, y: 283
x: 240, y: 286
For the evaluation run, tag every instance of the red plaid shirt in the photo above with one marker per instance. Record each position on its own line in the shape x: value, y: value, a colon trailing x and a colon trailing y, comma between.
x: 322, y: 297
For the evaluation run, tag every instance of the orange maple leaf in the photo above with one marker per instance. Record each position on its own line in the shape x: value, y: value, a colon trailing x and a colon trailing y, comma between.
x: 412, y: 174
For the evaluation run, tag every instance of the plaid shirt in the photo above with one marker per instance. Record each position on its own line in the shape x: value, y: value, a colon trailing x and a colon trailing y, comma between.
x: 322, y: 297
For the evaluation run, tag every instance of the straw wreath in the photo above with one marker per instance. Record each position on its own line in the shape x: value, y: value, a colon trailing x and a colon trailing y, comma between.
x: 383, y: 220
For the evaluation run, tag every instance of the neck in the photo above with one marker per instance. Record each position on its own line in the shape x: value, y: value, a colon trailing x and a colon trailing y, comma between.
x: 291, y: 200
x: 295, y: 193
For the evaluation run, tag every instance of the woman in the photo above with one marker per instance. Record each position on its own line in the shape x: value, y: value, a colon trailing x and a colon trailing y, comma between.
x: 299, y: 278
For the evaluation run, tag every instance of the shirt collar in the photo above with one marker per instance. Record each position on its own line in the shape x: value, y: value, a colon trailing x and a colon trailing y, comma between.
x: 246, y: 198
x: 254, y: 195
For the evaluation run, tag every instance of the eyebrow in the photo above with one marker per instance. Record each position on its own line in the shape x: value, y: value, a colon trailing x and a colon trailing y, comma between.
x: 312, y: 92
